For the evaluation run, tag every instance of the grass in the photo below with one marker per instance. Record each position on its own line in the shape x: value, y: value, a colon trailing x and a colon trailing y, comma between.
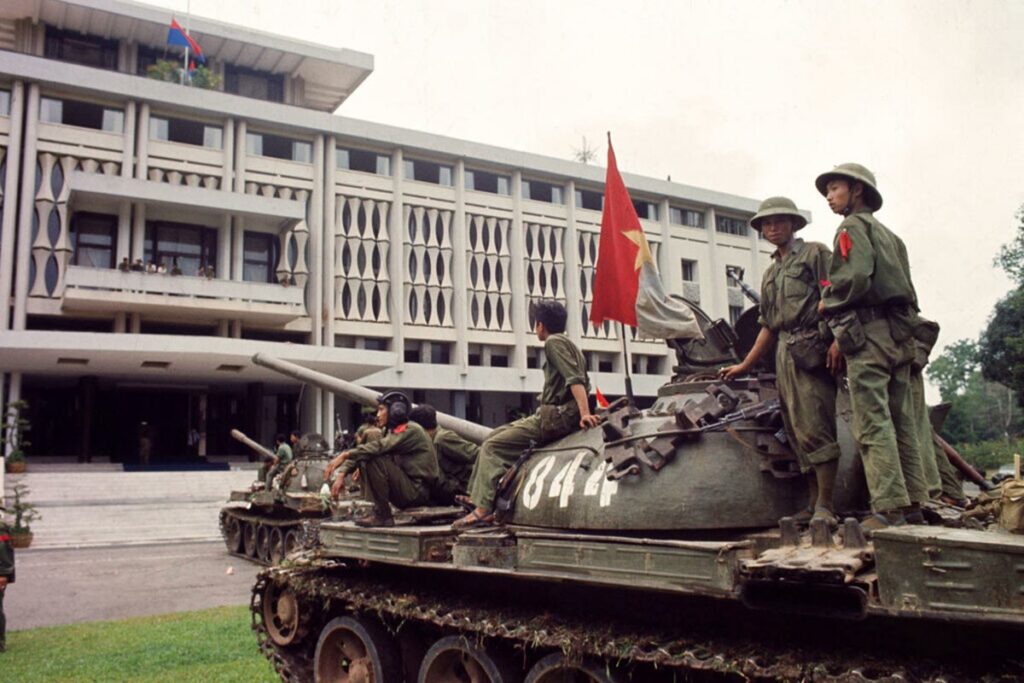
x: 209, y: 646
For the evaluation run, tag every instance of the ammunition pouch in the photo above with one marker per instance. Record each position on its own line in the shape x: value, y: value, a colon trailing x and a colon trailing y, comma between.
x: 902, y: 322
x: 926, y: 333
x: 557, y: 421
x: 848, y: 330
x: 807, y: 348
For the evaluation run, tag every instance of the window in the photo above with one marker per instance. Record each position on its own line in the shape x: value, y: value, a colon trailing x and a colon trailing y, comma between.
x: 428, y: 172
x: 186, y: 131
x: 93, y: 240
x: 542, y: 192
x: 412, y: 351
x: 376, y: 344
x: 482, y: 181
x: 79, y: 48
x: 440, y: 353
x: 679, y: 216
x: 734, y: 314
x: 5, y: 102
x: 646, y: 210
x: 147, y: 57
x: 731, y: 226
x: 278, y: 147
x: 251, y: 83
x: 82, y: 114
x: 689, y: 269
x: 589, y: 199
x: 259, y: 257
x: 361, y: 160
x: 191, y: 247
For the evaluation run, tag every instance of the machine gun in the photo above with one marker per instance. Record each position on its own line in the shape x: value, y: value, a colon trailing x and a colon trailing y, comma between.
x: 735, y: 274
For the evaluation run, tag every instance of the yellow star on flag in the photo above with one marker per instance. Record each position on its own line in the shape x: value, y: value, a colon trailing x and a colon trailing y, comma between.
x: 643, y: 254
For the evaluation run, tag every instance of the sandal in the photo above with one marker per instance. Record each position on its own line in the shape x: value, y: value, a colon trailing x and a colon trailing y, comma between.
x: 463, y: 501
x: 473, y: 520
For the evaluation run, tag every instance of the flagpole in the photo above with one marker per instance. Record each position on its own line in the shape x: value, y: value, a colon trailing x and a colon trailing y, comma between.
x: 625, y: 360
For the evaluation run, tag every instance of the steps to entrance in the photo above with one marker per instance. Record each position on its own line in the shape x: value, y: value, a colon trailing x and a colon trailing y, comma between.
x: 89, y: 506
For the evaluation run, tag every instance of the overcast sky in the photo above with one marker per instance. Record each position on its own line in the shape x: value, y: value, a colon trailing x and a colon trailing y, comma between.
x: 751, y: 98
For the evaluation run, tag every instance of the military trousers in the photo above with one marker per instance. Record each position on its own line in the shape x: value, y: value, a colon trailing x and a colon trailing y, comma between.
x: 929, y: 461
x: 448, y: 486
x: 386, y: 482
x: 808, y: 409
x: 883, y: 422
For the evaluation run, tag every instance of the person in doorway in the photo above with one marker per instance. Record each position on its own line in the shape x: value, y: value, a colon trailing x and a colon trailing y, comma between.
x: 400, y: 469
x: 564, y: 408
x: 790, y: 292
x: 455, y: 456
x: 6, y: 577
x: 871, y: 306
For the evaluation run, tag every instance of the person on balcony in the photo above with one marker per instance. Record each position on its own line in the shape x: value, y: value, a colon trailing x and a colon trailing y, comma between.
x: 124, y: 266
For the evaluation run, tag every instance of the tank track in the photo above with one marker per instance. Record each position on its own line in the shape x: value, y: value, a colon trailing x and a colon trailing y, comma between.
x: 286, y: 524
x: 647, y: 651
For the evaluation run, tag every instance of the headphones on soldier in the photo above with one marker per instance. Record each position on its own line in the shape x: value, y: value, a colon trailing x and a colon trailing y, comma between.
x: 398, y: 405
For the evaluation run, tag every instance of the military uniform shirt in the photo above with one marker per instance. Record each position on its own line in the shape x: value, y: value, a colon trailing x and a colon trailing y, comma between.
x: 284, y: 453
x: 412, y: 448
x: 564, y: 367
x: 455, y: 455
x: 874, y: 272
x: 6, y: 553
x: 790, y: 288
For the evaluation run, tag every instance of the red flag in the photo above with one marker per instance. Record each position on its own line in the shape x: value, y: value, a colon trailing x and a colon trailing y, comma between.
x: 602, y: 402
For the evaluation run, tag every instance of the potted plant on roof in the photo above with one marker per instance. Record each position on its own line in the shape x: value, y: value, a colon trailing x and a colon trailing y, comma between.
x: 24, y: 514
x: 14, y: 426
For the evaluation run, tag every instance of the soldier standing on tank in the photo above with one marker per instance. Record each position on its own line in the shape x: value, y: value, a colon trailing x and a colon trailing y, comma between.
x: 871, y: 306
x: 6, y: 577
x: 455, y: 456
x: 400, y: 468
x: 790, y: 292
x: 564, y: 408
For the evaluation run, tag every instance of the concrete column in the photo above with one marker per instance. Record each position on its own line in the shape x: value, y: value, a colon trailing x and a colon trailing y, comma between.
x: 138, y: 232
x: 8, y: 221
x: 26, y: 210
x: 87, y: 392
x: 128, y: 155
x: 396, y: 262
x: 223, y: 264
x: 315, y: 284
x: 222, y: 328
x: 135, y: 323
x: 142, y: 148
x: 571, y: 281
x: 753, y: 273
x: 237, y: 254
x: 327, y: 273
x: 120, y: 322
x: 517, y: 280
x: 714, y: 296
x: 240, y: 130
x: 664, y: 258
x: 236, y: 329
x: 460, y: 279
x: 124, y: 231
x: 459, y: 404
x: 13, y: 395
x: 229, y: 156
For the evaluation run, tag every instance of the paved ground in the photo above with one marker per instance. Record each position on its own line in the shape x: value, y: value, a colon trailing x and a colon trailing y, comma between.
x: 92, y: 584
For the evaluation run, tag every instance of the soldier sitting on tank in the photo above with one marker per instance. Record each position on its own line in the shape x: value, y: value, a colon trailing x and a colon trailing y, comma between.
x: 790, y: 291
x: 282, y: 458
x: 455, y: 456
x: 563, y: 409
x: 400, y: 469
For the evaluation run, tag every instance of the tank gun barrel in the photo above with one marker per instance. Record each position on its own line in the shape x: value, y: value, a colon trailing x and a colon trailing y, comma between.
x: 262, y: 450
x: 353, y: 392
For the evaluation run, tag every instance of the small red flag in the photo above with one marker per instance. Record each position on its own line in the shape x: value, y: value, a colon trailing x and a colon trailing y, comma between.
x: 602, y: 402
x: 845, y: 244
x: 622, y: 252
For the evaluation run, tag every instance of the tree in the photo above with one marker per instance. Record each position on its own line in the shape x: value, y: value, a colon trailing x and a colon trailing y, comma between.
x: 1011, y: 256
x: 170, y: 71
x: 1001, y: 347
x: 952, y: 371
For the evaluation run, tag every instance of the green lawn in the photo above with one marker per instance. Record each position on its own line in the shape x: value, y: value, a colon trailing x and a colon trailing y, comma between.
x: 211, y: 646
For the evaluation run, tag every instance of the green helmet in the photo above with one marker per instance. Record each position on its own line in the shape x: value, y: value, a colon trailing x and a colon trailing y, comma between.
x: 778, y: 206
x: 856, y: 173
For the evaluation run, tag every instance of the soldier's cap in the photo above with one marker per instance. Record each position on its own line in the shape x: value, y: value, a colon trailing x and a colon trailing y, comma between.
x: 778, y: 206
x: 856, y: 173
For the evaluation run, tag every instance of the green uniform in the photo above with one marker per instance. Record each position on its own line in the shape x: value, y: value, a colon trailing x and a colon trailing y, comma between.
x: 557, y: 416
x: 870, y: 301
x: 456, y: 458
x: 284, y: 456
x: 401, y: 468
x: 790, y: 291
x: 7, y: 571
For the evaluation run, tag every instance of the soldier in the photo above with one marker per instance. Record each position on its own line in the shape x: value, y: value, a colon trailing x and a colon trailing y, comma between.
x: 455, y: 456
x: 6, y: 577
x: 790, y: 291
x: 871, y: 307
x: 282, y: 457
x: 400, y: 468
x: 563, y: 409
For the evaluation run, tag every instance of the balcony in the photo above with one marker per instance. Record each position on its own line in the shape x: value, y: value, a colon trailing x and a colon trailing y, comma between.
x: 188, y: 298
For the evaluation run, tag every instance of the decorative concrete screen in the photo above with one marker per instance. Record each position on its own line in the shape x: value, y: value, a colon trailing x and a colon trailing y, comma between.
x: 362, y: 279
x: 428, y: 272
x: 489, y: 265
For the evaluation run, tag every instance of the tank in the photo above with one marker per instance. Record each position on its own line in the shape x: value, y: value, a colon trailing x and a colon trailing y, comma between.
x: 657, y: 547
x: 264, y: 525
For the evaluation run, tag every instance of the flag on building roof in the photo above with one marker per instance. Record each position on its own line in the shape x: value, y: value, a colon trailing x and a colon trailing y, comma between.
x: 627, y: 287
x: 176, y: 35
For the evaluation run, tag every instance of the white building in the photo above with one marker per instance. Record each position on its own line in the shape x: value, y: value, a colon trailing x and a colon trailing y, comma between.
x: 408, y: 259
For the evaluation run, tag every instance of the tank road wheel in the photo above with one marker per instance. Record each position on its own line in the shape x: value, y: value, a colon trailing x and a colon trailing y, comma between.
x: 453, y: 659
x: 281, y: 614
x: 263, y: 543
x: 233, y: 533
x: 249, y: 538
x: 276, y: 552
x: 556, y: 668
x: 291, y: 541
x: 356, y: 650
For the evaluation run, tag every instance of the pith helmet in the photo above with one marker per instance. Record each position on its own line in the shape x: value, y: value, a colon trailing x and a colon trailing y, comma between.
x: 857, y: 173
x: 778, y: 206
